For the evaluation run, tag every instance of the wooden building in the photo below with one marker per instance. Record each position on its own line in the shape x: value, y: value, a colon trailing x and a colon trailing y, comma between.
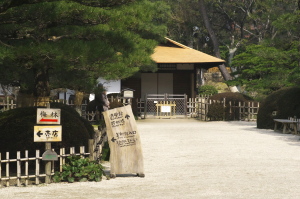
x: 180, y: 71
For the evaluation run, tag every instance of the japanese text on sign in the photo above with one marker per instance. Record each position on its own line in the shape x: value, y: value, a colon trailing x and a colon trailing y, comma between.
x: 47, y: 133
x: 48, y: 116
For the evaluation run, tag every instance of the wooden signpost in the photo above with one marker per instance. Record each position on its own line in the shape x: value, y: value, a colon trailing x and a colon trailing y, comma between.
x: 124, y: 141
x: 48, y: 131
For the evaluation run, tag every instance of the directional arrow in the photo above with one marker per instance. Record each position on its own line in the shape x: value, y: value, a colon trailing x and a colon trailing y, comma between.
x: 39, y: 133
x: 113, y: 139
x: 48, y: 120
x: 127, y: 117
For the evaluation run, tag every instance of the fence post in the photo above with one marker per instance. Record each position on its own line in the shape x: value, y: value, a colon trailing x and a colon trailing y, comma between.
x: 91, y: 149
x: 240, y: 112
x: 0, y: 170
x: 26, y: 167
x: 48, y: 165
x: 224, y: 106
x: 7, y: 168
x: 37, y: 167
x: 18, y: 168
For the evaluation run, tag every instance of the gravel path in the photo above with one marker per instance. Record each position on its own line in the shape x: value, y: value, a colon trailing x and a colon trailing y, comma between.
x: 185, y: 158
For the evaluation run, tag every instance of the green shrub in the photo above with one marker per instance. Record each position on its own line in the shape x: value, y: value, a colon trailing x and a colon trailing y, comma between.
x: 79, y: 169
x: 230, y: 96
x: 207, y: 90
x: 284, y: 101
x: 105, y: 152
x: 217, y: 111
x: 17, y: 128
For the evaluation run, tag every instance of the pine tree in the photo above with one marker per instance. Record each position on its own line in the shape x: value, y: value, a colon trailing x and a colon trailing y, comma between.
x: 47, y: 44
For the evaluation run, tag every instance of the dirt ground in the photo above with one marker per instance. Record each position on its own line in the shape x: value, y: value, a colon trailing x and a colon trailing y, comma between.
x: 186, y: 158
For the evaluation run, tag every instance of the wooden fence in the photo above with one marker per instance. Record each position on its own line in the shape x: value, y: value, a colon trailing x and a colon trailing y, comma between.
x: 7, y: 105
x: 294, y: 119
x: 232, y: 110
x: 29, y: 170
x: 25, y: 169
x: 196, y: 108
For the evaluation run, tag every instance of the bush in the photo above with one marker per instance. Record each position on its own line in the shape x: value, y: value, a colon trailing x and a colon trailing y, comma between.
x: 285, y: 101
x: 79, y: 169
x: 207, y: 90
x: 17, y: 128
x: 217, y: 111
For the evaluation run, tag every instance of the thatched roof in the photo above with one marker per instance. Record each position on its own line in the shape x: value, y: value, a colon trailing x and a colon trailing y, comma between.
x: 174, y: 52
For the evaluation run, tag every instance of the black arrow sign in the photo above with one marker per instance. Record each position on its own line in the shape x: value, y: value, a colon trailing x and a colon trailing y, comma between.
x: 39, y: 133
x: 127, y: 116
x: 113, y: 139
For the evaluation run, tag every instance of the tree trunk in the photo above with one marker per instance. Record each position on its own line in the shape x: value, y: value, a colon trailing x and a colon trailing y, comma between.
x: 25, y: 100
x: 215, y: 42
x: 78, y: 101
x: 42, y: 87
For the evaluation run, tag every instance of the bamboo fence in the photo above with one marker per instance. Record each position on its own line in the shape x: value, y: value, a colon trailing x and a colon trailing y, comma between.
x: 25, y: 169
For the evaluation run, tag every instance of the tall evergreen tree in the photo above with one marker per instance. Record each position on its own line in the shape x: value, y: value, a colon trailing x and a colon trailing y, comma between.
x: 47, y: 44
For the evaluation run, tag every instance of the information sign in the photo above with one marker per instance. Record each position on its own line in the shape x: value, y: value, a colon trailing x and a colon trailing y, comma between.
x: 50, y: 155
x: 48, y: 116
x: 166, y: 109
x: 47, y: 133
x: 124, y: 142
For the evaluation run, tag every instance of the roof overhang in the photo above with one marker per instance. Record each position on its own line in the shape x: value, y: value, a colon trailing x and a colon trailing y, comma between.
x: 174, y: 52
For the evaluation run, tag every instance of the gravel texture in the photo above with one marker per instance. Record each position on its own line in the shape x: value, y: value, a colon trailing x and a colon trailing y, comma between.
x: 186, y: 158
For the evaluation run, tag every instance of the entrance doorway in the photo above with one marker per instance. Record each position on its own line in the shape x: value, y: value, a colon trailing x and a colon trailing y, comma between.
x: 156, y: 83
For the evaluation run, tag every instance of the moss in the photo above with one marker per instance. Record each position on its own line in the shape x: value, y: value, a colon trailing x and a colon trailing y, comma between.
x: 284, y: 101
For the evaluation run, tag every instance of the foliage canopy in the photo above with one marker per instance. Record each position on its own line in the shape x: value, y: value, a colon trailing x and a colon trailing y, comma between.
x: 70, y: 43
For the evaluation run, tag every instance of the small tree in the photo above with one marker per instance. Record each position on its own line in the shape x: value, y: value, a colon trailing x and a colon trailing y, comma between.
x: 207, y: 90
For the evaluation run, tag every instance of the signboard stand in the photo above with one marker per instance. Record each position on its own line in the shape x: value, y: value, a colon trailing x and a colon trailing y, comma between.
x: 165, y: 109
x: 48, y: 131
x: 124, y: 141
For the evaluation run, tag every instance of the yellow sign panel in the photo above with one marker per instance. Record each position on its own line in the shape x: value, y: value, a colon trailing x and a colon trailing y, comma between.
x: 47, y: 133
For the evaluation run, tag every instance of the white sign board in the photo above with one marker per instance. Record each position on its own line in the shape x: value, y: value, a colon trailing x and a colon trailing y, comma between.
x: 124, y: 141
x: 48, y: 116
x: 166, y: 109
x: 47, y: 133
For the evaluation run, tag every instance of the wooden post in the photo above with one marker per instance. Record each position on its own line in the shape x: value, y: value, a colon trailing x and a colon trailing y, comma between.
x: 0, y: 170
x: 60, y: 159
x: 48, y: 165
x: 7, y: 169
x: 82, y: 151
x: 26, y: 167
x: 91, y: 149
x: 37, y: 167
x: 18, y: 168
x: 240, y: 111
x: 224, y: 106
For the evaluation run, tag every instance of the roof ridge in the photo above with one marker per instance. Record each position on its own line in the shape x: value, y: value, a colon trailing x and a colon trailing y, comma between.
x: 178, y: 44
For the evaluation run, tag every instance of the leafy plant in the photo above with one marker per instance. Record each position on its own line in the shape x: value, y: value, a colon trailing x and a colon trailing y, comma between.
x: 79, y: 169
x: 207, y: 90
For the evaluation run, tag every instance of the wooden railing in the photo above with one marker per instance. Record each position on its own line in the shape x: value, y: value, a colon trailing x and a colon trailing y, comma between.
x: 196, y: 108
x: 237, y: 110
x: 17, y: 170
